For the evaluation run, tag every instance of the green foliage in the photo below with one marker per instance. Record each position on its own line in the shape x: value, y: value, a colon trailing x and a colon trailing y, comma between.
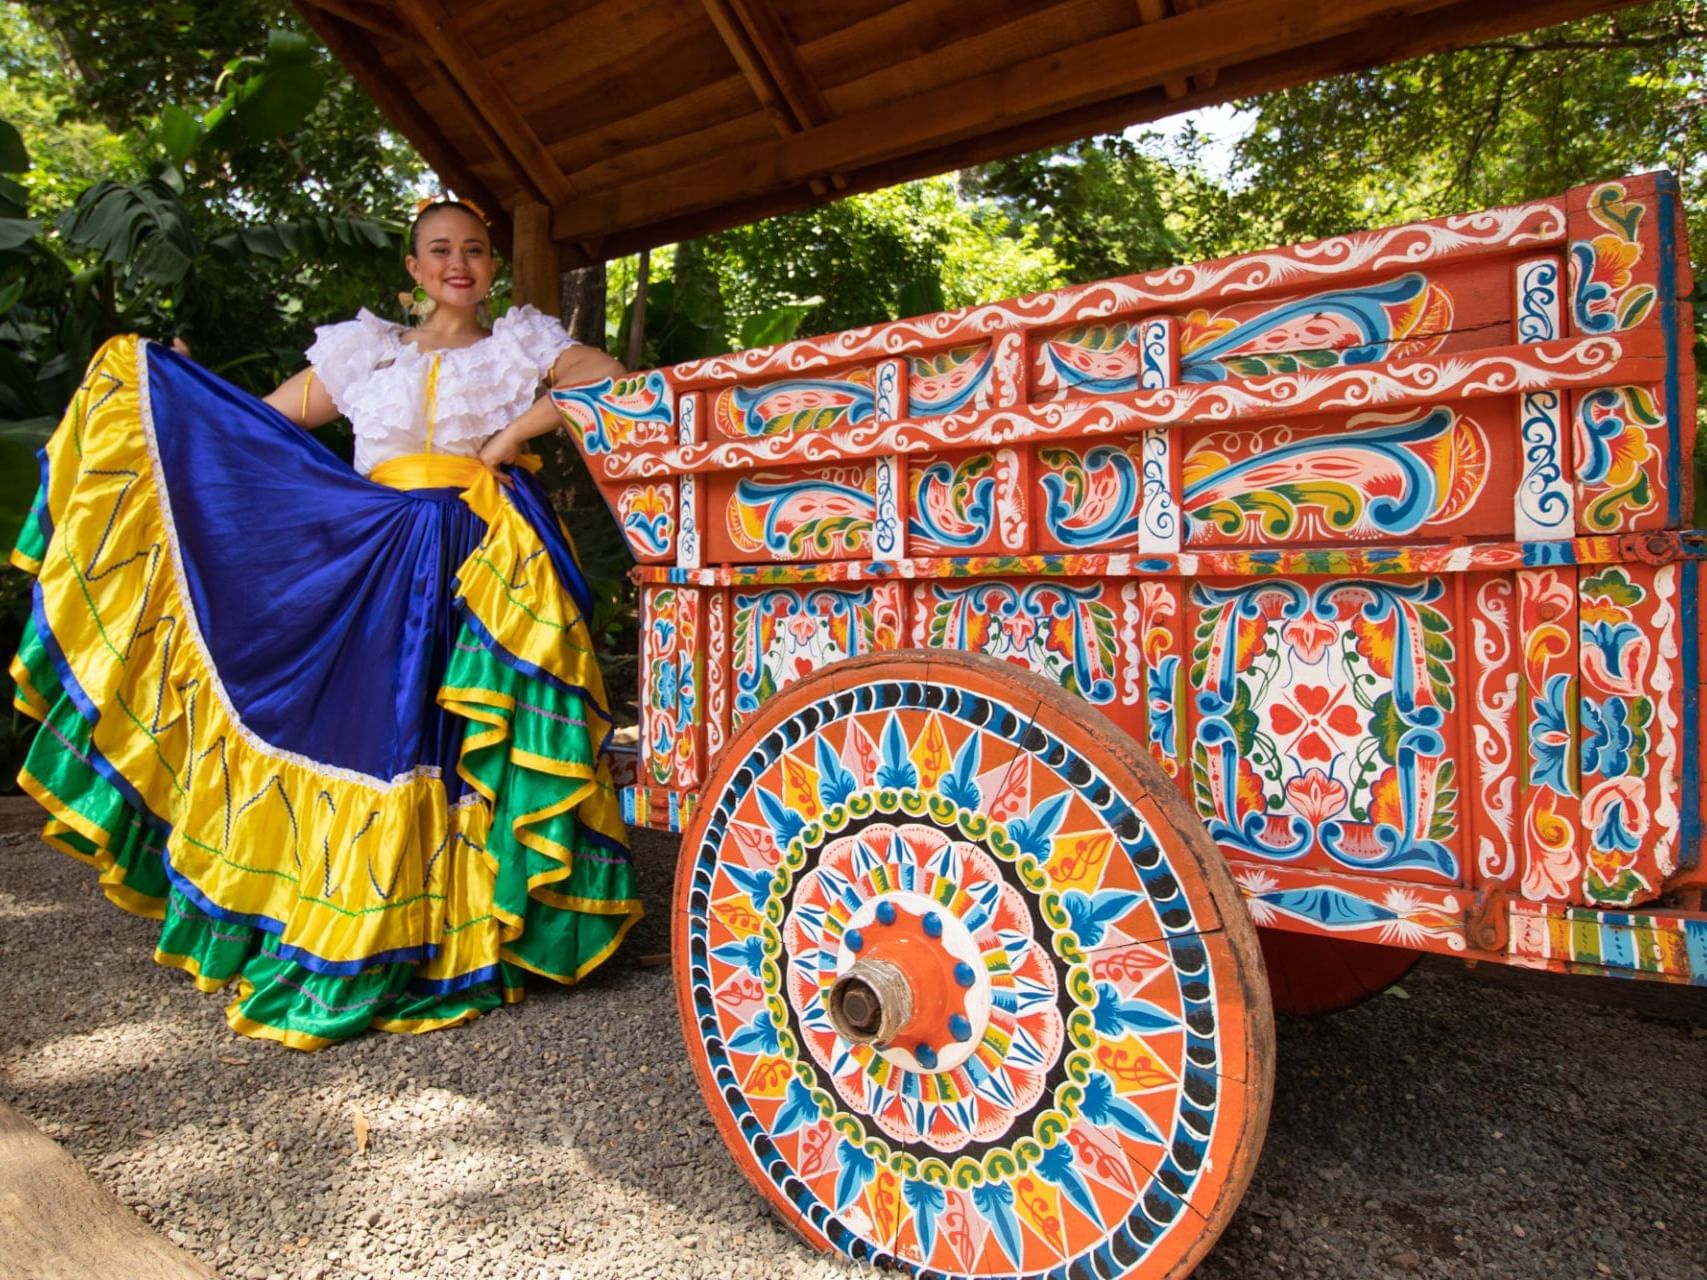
x: 1108, y: 206
x: 908, y: 250
x: 1526, y: 116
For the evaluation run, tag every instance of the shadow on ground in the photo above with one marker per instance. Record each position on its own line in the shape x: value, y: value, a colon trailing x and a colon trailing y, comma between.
x: 1453, y: 1129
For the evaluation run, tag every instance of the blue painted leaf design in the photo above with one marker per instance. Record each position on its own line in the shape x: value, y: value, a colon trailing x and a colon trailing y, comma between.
x: 857, y: 1170
x: 758, y: 1036
x: 1033, y: 832
x: 798, y: 1108
x: 748, y: 954
x: 894, y: 768
x: 1116, y: 1017
x: 1092, y: 914
x: 960, y: 785
x: 835, y: 783
x: 1102, y: 1105
x: 995, y: 1200
x: 754, y: 882
x: 926, y: 1201
x: 785, y: 823
x: 1057, y: 1167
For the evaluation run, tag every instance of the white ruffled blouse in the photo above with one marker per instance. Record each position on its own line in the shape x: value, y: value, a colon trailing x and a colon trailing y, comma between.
x: 379, y: 382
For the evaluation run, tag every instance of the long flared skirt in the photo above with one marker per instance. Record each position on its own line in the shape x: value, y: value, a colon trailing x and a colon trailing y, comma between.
x: 342, y: 741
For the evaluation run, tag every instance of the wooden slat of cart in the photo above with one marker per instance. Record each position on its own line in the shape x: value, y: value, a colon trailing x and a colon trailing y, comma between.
x: 58, y: 1223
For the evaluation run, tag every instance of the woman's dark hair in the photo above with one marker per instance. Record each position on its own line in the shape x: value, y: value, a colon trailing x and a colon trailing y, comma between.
x: 425, y: 210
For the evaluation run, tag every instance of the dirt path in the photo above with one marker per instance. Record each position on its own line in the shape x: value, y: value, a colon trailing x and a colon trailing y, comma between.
x: 1477, y: 1125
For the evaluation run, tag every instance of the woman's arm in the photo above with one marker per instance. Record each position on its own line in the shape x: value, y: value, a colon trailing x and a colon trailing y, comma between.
x: 577, y: 366
x: 304, y: 400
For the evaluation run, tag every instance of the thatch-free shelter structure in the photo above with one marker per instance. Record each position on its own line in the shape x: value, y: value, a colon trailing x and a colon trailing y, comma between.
x: 593, y: 128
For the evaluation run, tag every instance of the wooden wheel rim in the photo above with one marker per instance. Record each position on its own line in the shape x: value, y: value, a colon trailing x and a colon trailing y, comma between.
x: 1110, y: 1123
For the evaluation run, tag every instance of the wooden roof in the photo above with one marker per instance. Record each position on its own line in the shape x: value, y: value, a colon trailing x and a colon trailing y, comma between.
x: 639, y: 122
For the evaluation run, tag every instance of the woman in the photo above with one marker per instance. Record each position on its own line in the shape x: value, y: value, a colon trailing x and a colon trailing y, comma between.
x: 340, y: 732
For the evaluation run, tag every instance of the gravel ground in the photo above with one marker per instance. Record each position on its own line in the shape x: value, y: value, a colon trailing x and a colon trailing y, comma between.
x: 1475, y: 1127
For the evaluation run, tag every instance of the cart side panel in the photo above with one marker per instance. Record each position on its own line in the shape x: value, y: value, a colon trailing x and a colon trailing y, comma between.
x: 779, y: 634
x: 1324, y: 723
x: 971, y: 502
x: 1083, y: 634
x: 672, y: 675
x: 1632, y: 618
x: 1632, y: 444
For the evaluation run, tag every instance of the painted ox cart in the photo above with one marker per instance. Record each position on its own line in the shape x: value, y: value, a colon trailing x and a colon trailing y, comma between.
x: 1008, y: 671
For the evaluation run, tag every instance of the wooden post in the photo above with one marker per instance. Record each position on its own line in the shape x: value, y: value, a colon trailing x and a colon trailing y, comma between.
x: 533, y: 262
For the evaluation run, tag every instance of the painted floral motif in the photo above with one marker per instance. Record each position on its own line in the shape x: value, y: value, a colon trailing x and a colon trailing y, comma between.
x: 1321, y: 724
x: 1074, y: 1113
x: 1409, y: 316
x: 1383, y: 475
x: 1551, y: 859
x: 606, y: 416
x: 1400, y: 916
x: 948, y: 381
x: 1619, y: 469
x: 1003, y: 1079
x: 1062, y: 631
x: 954, y: 504
x: 1605, y: 294
x: 1618, y: 723
x: 809, y: 516
x: 793, y: 405
x: 1090, y: 496
x: 648, y: 516
x: 1162, y: 694
x: 782, y: 635
x: 672, y: 680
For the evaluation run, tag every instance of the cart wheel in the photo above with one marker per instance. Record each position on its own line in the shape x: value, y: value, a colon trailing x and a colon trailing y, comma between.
x: 1314, y: 975
x: 965, y: 984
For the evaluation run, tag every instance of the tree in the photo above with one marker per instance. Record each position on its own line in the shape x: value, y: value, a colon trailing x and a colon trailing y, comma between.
x: 264, y: 129
x: 1499, y: 123
x: 1108, y: 206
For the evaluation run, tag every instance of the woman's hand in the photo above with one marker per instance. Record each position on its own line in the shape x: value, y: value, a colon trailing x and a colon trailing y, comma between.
x: 501, y: 451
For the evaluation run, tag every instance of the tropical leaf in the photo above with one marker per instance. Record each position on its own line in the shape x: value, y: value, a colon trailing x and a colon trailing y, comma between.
x: 17, y: 232
x: 14, y: 155
x: 180, y: 132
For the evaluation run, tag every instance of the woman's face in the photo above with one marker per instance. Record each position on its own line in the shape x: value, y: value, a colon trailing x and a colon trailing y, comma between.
x: 453, y: 258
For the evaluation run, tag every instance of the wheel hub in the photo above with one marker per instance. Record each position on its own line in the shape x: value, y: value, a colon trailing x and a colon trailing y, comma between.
x: 910, y: 983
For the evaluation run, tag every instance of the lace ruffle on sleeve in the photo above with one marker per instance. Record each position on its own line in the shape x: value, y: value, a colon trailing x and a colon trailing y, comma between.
x: 534, y: 336
x: 345, y: 355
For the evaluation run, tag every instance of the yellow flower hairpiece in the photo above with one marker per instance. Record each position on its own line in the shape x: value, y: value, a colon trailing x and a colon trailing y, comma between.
x: 427, y: 202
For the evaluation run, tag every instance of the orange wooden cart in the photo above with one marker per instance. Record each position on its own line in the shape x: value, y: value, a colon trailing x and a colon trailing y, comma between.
x: 1008, y: 670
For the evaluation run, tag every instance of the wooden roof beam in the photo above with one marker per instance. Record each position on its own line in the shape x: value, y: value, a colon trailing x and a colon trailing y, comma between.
x: 1149, y: 13
x: 772, y: 69
x: 1203, y: 81
x: 1461, y: 23
x: 365, y: 16
x: 1119, y: 63
x: 347, y: 43
x: 520, y: 144
x: 782, y: 61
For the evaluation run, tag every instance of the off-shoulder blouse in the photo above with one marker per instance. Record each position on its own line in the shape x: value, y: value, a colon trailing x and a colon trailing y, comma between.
x: 381, y: 383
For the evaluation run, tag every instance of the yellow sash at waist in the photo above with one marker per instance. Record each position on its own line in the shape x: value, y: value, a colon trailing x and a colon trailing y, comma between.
x: 428, y: 471
x: 437, y: 471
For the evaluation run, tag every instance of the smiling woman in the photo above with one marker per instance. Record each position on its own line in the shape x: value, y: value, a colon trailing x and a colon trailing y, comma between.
x: 339, y: 731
